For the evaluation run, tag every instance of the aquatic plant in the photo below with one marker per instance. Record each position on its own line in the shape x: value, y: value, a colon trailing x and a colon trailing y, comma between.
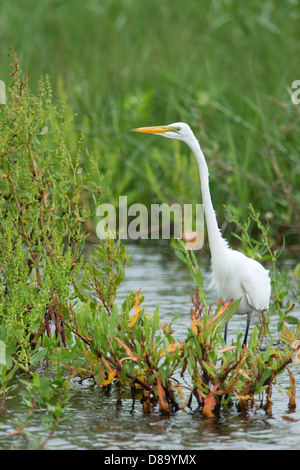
x: 129, y: 347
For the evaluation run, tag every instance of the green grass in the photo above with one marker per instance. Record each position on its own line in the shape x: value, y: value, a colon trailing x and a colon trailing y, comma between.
x: 224, y: 67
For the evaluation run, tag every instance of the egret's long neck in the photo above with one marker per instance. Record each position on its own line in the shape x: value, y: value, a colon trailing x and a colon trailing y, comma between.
x: 216, y: 241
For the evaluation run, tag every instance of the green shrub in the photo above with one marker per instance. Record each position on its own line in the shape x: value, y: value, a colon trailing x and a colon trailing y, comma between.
x: 42, y: 213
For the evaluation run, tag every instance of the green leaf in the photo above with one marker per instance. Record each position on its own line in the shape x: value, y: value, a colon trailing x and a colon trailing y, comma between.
x: 209, y: 369
x: 228, y: 314
x: 266, y: 374
x: 291, y: 320
x: 38, y: 356
x: 113, y: 320
x: 155, y: 321
x: 36, y: 379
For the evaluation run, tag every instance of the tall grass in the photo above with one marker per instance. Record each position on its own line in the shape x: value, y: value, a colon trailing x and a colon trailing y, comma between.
x: 224, y: 67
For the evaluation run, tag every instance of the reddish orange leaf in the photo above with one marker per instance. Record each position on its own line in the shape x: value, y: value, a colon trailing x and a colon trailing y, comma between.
x: 162, y: 399
x: 133, y: 320
x: 219, y: 313
x: 127, y: 349
x: 209, y: 405
x: 228, y: 348
x: 292, y: 392
x: 137, y: 311
x: 110, y: 378
x: 194, y: 325
x: 172, y: 347
x: 137, y: 303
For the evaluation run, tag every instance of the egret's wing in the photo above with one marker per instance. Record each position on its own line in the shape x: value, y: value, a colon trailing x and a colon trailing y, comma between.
x: 257, y: 287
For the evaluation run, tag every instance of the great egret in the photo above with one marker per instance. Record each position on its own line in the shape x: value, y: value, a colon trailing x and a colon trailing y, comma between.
x: 234, y: 275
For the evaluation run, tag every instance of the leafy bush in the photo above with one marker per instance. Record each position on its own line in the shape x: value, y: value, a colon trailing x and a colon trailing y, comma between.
x: 41, y: 215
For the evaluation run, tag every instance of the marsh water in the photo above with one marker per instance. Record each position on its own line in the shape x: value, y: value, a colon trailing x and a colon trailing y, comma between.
x: 95, y: 422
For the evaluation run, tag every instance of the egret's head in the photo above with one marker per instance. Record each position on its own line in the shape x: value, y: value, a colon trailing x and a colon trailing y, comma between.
x: 177, y: 130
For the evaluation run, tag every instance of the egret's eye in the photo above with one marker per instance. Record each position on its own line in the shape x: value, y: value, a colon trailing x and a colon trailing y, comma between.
x: 176, y: 129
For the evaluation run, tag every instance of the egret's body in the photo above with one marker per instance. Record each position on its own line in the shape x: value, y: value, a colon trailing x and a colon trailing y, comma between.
x: 234, y: 275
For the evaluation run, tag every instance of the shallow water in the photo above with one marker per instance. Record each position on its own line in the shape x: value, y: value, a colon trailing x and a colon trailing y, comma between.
x: 95, y: 421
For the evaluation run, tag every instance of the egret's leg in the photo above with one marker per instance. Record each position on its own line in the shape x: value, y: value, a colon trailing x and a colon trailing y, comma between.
x: 225, y: 332
x: 247, y: 328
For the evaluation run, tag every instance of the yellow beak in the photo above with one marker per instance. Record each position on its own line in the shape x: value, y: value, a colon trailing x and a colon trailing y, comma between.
x: 152, y: 130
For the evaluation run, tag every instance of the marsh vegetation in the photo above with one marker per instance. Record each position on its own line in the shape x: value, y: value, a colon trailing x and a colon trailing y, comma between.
x: 59, y: 315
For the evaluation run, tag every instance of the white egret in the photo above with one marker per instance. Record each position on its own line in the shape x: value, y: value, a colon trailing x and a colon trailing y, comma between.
x: 234, y: 275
